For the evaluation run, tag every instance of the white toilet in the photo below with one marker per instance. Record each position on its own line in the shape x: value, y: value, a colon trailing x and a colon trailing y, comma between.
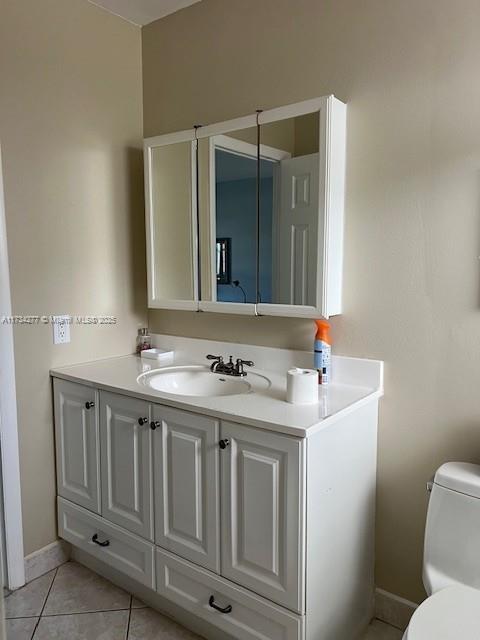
x: 451, y: 563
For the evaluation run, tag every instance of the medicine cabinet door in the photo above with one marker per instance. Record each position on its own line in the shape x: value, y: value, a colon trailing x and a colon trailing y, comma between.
x: 227, y: 173
x: 171, y: 221
x: 301, y: 209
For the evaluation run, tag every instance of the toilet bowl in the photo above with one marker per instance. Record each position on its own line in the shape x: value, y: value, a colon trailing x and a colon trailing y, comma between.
x: 450, y: 614
x: 451, y: 565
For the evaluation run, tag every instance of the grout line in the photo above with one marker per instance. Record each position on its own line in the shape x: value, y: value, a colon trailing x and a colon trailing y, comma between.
x: 82, y: 613
x: 129, y: 618
x: 44, y: 603
x: 7, y: 592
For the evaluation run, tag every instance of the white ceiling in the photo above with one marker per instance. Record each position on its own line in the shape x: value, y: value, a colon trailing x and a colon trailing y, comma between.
x: 142, y: 12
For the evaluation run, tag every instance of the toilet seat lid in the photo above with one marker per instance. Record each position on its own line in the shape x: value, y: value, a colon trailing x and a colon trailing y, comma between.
x: 450, y: 614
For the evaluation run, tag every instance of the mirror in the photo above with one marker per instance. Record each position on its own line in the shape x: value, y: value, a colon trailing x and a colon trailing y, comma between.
x: 228, y: 192
x: 171, y: 224
x: 291, y: 219
x: 239, y: 228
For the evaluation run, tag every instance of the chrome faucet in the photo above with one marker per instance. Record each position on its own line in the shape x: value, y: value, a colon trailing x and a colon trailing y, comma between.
x: 229, y: 368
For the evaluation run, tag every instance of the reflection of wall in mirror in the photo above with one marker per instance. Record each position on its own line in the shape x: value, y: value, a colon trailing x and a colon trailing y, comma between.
x: 236, y: 219
x: 298, y: 136
x: 172, y: 221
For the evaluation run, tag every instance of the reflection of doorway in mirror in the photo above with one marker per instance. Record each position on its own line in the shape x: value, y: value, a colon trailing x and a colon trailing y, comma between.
x: 235, y: 198
x: 235, y: 163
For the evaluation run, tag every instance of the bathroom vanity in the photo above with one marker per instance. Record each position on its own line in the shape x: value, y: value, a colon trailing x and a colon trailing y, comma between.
x: 241, y: 515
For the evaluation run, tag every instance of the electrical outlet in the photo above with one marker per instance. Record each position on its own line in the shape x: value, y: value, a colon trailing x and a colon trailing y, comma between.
x: 61, y: 329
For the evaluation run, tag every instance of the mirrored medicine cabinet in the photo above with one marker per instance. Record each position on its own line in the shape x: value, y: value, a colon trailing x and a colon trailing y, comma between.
x: 246, y: 216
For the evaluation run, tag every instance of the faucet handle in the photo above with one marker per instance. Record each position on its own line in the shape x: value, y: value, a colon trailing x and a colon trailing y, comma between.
x: 216, y: 364
x: 248, y: 363
x: 239, y: 366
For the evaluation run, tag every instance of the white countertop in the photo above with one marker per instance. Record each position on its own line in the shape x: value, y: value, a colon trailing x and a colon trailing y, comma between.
x: 265, y: 409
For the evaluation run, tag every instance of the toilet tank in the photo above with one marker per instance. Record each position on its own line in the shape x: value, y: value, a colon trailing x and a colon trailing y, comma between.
x: 452, y: 534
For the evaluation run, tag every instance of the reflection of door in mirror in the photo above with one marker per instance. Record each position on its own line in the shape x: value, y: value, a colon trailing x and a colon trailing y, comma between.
x: 291, y: 231
x: 171, y: 227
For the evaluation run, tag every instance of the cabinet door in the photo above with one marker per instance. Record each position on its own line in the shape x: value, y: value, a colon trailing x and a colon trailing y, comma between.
x: 263, y: 513
x: 77, y: 448
x: 186, y: 485
x: 126, y: 456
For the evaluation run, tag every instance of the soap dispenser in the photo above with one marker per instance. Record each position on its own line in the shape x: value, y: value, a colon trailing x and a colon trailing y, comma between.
x: 143, y: 340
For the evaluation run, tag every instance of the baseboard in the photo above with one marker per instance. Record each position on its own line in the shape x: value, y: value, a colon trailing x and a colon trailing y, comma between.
x: 46, y: 559
x: 393, y: 609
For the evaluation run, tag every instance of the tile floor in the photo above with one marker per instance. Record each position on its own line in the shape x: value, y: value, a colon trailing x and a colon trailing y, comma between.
x: 73, y: 603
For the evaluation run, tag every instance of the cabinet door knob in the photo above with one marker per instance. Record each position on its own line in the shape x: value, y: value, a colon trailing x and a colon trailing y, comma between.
x: 142, y: 421
x: 227, y: 609
x: 154, y: 424
x: 224, y: 443
x: 89, y: 405
x: 95, y: 539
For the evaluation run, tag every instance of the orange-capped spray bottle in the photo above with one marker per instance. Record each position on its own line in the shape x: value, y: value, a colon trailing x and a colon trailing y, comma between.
x: 323, y: 352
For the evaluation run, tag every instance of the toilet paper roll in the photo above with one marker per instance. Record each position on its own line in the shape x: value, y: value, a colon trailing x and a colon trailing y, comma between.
x: 302, y: 386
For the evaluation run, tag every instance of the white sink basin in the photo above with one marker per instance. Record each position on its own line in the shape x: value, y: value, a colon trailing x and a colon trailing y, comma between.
x: 197, y: 380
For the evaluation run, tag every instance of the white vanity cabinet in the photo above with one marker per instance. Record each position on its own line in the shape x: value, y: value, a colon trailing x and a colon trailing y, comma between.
x: 126, y: 463
x: 258, y: 533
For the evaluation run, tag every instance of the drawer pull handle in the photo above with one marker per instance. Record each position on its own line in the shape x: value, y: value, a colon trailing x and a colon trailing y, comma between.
x: 89, y: 405
x: 227, y: 609
x: 154, y: 424
x: 95, y: 539
x: 142, y: 421
x: 224, y: 443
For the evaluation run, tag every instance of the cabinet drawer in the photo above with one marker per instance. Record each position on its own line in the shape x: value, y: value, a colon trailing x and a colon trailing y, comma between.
x: 125, y: 552
x: 250, y: 618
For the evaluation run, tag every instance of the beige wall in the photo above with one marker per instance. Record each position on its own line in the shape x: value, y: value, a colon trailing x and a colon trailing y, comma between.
x: 409, y: 72
x: 71, y: 129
